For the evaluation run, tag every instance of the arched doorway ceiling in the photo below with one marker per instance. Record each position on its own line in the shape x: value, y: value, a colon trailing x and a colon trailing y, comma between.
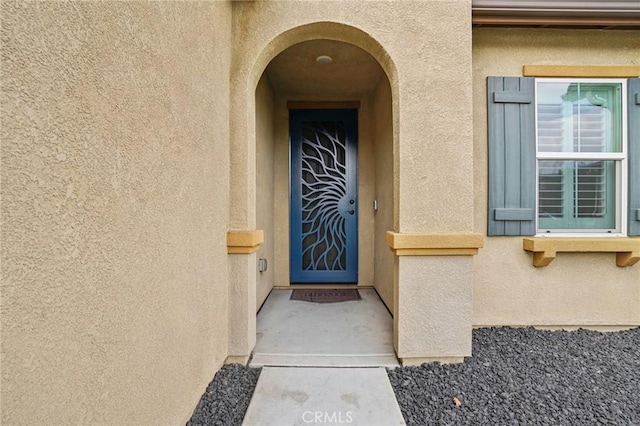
x: 332, y: 31
x: 352, y: 73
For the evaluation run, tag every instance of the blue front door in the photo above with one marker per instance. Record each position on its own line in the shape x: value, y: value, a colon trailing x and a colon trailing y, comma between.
x: 324, y: 196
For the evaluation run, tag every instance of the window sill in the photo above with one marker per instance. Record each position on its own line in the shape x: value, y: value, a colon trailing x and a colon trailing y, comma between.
x: 544, y: 249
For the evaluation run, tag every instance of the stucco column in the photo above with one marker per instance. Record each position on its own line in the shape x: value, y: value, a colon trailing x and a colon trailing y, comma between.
x: 433, y: 296
x: 242, y: 247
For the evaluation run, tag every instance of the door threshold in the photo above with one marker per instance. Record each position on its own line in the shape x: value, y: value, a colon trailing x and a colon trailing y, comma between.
x: 329, y: 286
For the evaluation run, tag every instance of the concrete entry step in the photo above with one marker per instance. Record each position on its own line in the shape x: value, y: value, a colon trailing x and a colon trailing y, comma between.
x: 310, y: 360
x: 345, y: 334
x: 301, y: 396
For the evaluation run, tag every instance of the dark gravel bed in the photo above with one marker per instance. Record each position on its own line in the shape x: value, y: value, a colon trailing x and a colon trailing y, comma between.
x: 524, y: 376
x: 227, y: 397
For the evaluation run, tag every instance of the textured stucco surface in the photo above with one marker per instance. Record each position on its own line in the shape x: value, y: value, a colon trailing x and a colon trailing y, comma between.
x: 366, y: 193
x: 434, y: 135
x: 577, y: 288
x: 114, y: 209
x: 265, y: 150
x: 430, y: 99
x: 242, y: 305
x: 433, y: 310
x: 281, y: 193
x: 383, y: 134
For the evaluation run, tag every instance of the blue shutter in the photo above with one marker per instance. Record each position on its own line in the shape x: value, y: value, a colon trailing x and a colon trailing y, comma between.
x: 633, y: 115
x: 512, y: 155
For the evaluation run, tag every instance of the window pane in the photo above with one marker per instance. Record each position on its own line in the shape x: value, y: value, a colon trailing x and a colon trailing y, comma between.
x: 575, y: 195
x: 579, y: 117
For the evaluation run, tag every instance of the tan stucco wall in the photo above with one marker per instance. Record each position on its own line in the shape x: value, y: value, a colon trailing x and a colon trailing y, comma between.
x: 434, y: 308
x: 265, y: 150
x: 383, y: 135
x: 366, y: 193
x: 433, y: 100
x: 576, y: 288
x: 430, y: 96
x: 281, y: 189
x: 435, y: 133
x: 114, y: 208
x: 435, y: 140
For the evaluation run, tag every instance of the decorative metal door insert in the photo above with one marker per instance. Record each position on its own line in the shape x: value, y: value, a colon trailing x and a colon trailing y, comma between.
x: 324, y: 196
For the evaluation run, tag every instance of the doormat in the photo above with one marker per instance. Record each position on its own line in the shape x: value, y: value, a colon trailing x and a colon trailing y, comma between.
x: 325, y: 296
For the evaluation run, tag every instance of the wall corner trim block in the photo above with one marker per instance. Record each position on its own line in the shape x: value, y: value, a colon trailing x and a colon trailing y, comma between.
x: 244, y: 242
x: 457, y: 244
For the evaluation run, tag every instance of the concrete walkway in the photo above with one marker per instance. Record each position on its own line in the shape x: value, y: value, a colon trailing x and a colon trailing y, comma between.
x: 323, y: 363
x: 346, y: 334
x: 300, y: 396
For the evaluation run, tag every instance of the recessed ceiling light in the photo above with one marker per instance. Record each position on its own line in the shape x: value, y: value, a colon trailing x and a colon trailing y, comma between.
x: 324, y: 59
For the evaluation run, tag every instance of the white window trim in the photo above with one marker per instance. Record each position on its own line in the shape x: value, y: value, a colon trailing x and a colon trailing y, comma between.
x: 621, y: 173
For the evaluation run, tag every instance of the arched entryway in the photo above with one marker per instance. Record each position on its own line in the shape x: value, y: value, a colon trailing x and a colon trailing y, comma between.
x: 354, y: 81
x: 288, y: 75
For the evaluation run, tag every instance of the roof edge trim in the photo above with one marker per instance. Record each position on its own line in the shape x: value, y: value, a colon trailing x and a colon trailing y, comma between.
x: 568, y: 13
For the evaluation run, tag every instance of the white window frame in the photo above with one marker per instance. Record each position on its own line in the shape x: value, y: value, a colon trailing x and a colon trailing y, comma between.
x: 621, y: 167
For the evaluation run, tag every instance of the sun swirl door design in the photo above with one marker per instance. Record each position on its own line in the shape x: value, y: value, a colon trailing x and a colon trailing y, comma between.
x: 324, y: 220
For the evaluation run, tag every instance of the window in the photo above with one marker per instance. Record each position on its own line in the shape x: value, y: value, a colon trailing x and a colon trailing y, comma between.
x: 564, y: 156
x: 581, y: 148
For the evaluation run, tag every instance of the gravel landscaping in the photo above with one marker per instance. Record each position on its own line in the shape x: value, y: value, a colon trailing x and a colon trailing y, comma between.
x: 227, y: 397
x: 527, y: 376
x: 516, y: 376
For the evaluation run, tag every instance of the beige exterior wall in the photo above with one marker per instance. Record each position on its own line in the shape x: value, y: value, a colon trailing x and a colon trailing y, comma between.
x: 434, y: 133
x: 281, y: 202
x: 433, y: 100
x: 432, y: 125
x: 383, y: 135
x: 366, y: 192
x: 114, y: 208
x: 434, y: 320
x: 576, y: 288
x: 133, y: 139
x: 265, y: 150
